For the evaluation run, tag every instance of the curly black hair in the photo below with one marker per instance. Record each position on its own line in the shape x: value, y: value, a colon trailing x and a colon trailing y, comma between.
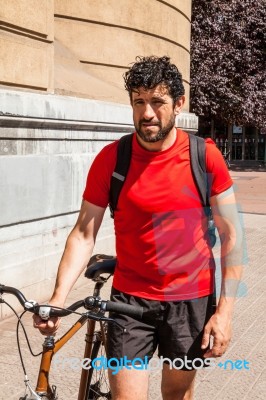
x: 148, y: 72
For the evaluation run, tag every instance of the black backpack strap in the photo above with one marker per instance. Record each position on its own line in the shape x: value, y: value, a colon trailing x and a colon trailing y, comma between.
x: 124, y: 151
x: 197, y: 149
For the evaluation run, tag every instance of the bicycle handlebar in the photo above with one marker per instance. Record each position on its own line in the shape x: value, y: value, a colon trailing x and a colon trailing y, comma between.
x: 127, y: 309
x: 11, y: 290
x: 90, y: 303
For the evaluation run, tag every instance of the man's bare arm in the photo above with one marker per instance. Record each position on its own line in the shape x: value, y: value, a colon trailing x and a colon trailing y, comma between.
x: 231, y: 235
x: 78, y: 250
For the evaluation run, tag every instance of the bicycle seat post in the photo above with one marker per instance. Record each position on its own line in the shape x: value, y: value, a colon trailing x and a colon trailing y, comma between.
x: 97, y: 288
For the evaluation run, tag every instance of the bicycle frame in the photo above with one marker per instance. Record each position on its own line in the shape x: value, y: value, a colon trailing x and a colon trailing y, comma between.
x: 50, y: 348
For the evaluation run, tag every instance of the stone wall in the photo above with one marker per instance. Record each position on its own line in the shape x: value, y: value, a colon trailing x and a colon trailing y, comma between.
x: 27, y: 44
x: 82, y: 47
x: 106, y: 39
x: 47, y: 145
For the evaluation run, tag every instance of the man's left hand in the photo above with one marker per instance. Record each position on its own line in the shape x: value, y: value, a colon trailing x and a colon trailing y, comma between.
x: 220, y: 327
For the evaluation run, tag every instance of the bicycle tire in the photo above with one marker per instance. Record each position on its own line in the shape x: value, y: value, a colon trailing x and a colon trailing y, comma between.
x: 98, y: 383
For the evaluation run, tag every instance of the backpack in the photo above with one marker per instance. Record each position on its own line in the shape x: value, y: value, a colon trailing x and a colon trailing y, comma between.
x: 197, y: 149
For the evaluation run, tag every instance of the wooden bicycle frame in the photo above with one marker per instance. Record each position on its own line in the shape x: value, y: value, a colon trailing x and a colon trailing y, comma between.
x: 50, y: 349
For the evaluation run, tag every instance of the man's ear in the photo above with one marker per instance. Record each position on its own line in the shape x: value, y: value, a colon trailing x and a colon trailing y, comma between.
x: 179, y: 104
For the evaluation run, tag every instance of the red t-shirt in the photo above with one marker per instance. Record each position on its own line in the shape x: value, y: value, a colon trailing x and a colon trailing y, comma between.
x: 160, y: 225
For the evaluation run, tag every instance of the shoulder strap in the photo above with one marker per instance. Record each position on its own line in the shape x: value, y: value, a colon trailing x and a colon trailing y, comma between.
x: 124, y: 151
x: 197, y: 149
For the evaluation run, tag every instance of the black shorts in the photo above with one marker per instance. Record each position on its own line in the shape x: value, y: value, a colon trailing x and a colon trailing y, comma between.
x: 174, y: 327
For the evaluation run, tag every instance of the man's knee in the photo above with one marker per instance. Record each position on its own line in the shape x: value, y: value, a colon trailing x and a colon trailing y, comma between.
x: 178, y: 385
x: 177, y: 394
x: 129, y: 385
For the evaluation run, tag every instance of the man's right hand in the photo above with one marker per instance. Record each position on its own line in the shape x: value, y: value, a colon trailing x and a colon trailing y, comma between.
x: 46, y: 327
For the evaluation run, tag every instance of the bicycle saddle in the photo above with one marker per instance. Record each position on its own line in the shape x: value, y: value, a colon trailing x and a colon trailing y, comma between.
x: 100, y: 264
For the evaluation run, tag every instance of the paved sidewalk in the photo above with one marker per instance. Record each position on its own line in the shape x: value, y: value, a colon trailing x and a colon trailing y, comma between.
x: 220, y: 383
x: 250, y: 189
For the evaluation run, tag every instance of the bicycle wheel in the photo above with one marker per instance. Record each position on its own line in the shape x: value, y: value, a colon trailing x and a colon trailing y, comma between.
x: 98, y: 382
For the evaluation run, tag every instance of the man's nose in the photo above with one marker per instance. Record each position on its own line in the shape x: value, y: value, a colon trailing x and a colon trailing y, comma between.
x: 148, y: 112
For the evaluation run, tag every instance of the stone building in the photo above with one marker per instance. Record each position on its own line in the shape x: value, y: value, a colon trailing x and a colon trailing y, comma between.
x: 61, y: 100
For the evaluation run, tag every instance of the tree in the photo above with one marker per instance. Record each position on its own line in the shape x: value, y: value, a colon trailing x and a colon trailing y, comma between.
x: 228, y: 54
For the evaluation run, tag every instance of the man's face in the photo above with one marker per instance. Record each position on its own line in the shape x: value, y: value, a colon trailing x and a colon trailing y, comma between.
x: 153, y: 113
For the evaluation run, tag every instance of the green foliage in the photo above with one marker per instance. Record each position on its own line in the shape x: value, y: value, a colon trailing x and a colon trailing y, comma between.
x: 228, y: 54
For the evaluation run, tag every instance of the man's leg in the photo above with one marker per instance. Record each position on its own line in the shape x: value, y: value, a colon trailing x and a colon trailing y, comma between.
x: 137, y: 342
x: 129, y: 385
x: 177, y: 384
x: 180, y: 337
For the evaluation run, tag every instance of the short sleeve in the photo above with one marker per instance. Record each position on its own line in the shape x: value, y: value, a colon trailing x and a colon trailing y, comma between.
x: 217, y: 170
x: 99, y: 176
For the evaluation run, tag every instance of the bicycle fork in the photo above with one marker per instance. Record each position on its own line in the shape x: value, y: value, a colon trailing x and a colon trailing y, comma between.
x: 32, y: 394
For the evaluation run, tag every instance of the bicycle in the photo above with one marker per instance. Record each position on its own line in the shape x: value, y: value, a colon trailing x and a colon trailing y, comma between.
x: 93, y: 382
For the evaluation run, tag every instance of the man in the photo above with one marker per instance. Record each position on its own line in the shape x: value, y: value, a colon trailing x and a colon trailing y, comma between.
x: 164, y: 263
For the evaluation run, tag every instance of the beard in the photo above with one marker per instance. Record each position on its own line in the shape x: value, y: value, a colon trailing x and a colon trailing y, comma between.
x: 148, y: 136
